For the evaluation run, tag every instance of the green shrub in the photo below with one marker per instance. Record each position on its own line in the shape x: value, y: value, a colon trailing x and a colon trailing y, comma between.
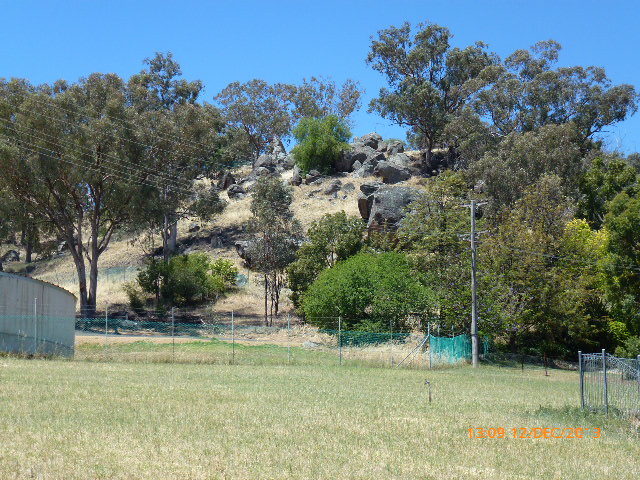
x: 135, y: 295
x: 187, y: 279
x: 370, y: 292
x: 630, y: 349
x: 320, y: 142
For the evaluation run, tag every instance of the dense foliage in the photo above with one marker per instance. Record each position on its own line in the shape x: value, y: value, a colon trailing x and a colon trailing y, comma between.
x: 320, y: 142
x: 186, y: 280
x: 369, y: 291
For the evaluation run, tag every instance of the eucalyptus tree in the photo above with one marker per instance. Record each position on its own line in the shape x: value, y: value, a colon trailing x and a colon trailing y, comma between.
x: 182, y: 139
x: 528, y: 93
x: 73, y: 161
x: 430, y: 82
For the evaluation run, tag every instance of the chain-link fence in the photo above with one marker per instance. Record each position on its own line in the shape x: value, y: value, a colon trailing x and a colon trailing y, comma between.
x: 609, y: 383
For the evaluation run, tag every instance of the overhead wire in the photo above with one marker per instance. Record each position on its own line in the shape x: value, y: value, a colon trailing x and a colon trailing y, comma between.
x: 135, y: 142
x: 115, y: 162
x: 37, y: 149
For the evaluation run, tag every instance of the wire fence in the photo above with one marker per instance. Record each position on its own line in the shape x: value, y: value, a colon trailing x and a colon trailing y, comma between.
x: 609, y: 384
x: 176, y: 337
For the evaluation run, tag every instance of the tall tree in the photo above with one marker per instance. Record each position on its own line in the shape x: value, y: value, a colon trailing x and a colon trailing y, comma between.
x: 321, y: 97
x: 182, y: 138
x: 276, y: 236
x: 529, y: 93
x: 430, y: 81
x: 74, y: 162
x: 258, y: 109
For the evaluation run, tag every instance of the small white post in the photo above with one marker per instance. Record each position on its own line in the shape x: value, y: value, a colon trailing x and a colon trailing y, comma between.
x: 233, y: 339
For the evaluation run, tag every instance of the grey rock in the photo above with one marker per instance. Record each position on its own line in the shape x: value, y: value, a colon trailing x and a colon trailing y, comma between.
x: 389, y: 207
x: 296, y: 180
x: 370, y: 140
x: 348, y: 187
x: 358, y: 153
x: 10, y: 256
x: 225, y: 181
x: 368, y: 188
x: 394, y: 146
x: 364, y: 205
x: 311, y: 345
x: 333, y: 187
x: 194, y: 227
x: 400, y: 159
x: 312, y: 177
x: 391, y: 172
x: 236, y: 191
x: 265, y: 160
x: 366, y: 170
x: 277, y: 147
x: 260, y: 172
x: 296, y: 170
x: 242, y: 249
x: 356, y: 165
x: 288, y: 162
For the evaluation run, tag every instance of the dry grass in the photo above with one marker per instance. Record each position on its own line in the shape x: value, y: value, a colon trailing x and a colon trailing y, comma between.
x: 78, y: 420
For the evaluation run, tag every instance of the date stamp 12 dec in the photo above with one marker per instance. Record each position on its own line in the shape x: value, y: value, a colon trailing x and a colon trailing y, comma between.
x: 534, y: 432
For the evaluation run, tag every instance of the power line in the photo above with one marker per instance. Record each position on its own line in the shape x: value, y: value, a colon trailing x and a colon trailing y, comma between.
x: 135, y: 142
x: 117, y: 162
x: 66, y: 160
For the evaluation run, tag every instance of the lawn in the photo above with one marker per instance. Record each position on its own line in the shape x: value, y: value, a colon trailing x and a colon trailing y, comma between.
x: 124, y: 420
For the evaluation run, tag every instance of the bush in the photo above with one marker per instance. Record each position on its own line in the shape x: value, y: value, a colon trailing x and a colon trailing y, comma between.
x: 630, y: 349
x: 187, y: 279
x: 371, y: 292
x: 320, y: 142
x: 135, y: 295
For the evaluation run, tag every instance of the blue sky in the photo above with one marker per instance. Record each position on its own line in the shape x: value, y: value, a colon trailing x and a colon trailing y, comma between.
x: 220, y: 42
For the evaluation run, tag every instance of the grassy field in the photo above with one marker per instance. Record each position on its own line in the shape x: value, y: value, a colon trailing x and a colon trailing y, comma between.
x: 86, y: 420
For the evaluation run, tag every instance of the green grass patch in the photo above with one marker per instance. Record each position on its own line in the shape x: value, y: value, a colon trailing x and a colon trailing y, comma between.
x: 123, y: 420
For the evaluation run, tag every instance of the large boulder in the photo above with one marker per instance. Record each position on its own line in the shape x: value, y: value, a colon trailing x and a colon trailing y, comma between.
x: 392, y: 172
x: 265, y: 161
x: 370, y: 140
x: 242, y: 249
x: 313, y: 177
x: 10, y: 256
x: 276, y: 147
x: 400, y: 159
x: 226, y: 180
x: 394, y: 146
x: 236, y: 192
x: 364, y: 205
x: 388, y: 207
x: 357, y: 153
x: 334, y: 187
x: 368, y: 188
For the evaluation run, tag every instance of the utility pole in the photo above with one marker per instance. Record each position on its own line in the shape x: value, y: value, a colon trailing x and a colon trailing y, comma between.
x: 474, y: 298
x: 474, y: 287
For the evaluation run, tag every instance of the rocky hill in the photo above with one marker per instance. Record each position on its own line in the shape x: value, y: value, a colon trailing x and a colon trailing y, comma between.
x: 375, y: 179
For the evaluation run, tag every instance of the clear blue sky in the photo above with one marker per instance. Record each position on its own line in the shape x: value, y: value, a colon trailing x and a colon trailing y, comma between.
x: 283, y: 41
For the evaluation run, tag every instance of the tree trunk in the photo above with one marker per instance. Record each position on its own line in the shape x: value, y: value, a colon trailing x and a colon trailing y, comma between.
x: 173, y: 236
x: 29, y: 251
x: 76, y: 252
x: 266, y: 296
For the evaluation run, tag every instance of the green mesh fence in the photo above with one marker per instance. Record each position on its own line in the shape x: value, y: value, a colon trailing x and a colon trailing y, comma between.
x: 454, y: 349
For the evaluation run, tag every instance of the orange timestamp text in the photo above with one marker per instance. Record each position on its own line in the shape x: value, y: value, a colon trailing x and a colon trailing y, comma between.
x: 534, y: 432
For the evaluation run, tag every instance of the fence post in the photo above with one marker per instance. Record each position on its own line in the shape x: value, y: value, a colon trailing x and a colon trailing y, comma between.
x: 340, y: 338
x: 604, y: 371
x: 581, y: 373
x: 638, y: 373
x: 429, y: 336
x: 289, y: 339
x: 173, y: 335
x: 106, y: 324
x: 233, y: 339
x: 35, y: 326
